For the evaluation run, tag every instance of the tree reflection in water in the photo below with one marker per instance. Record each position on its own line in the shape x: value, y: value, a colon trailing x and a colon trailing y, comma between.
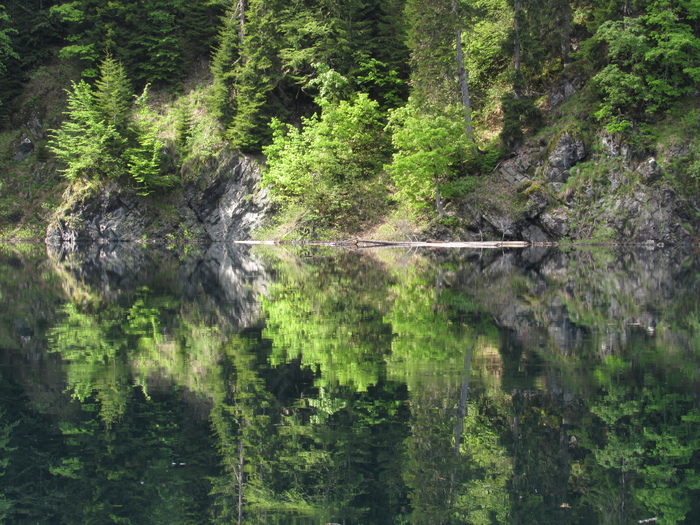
x: 265, y: 387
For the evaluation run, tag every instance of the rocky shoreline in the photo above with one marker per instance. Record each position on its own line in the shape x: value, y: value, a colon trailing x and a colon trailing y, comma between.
x: 526, y: 199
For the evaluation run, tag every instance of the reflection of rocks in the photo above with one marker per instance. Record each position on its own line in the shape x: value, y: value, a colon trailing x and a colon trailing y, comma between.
x: 226, y: 280
x: 565, y: 335
x: 572, y: 301
x: 109, y: 269
x: 233, y: 279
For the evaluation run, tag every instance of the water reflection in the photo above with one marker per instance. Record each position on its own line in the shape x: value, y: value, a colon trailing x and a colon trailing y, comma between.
x: 230, y: 385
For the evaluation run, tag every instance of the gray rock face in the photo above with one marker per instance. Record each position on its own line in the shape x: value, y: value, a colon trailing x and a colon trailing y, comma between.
x: 556, y: 223
x: 567, y: 152
x: 107, y: 217
x: 232, y: 206
x: 615, y: 200
x: 229, y: 208
x: 534, y: 234
x: 613, y: 147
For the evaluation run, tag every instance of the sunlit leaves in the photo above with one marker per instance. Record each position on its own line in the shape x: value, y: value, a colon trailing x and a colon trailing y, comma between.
x: 428, y: 148
x: 652, y: 59
x: 330, y: 165
x: 85, y: 141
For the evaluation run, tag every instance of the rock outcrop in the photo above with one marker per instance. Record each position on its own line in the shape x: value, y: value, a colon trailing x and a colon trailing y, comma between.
x: 564, y: 192
x: 226, y: 204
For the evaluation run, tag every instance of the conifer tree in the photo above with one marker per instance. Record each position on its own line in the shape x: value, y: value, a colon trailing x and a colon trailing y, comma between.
x: 114, y: 95
x: 86, y: 142
x: 226, y: 57
x: 5, y: 39
x: 103, y: 137
x: 258, y: 74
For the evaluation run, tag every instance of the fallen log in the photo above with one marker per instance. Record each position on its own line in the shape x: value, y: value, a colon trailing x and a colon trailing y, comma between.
x: 373, y: 243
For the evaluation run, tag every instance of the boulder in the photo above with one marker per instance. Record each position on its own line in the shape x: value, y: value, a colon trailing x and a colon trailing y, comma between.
x: 534, y: 234
x: 556, y: 223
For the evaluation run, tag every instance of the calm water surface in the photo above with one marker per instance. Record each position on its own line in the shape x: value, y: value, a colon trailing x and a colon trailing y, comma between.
x: 225, y: 384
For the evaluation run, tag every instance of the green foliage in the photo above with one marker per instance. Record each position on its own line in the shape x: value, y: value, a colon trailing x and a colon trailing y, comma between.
x: 113, y: 95
x: 519, y: 114
x: 652, y: 60
x: 157, y: 40
x: 86, y: 143
x: 223, y: 67
x: 144, y: 160
x: 270, y: 65
x: 429, y: 151
x: 331, y: 163
x: 183, y: 126
x: 104, y: 137
x: 6, y: 34
x: 431, y: 33
x: 381, y: 83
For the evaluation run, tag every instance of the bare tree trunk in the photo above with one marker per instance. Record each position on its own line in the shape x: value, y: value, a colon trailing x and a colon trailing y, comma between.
x: 241, y: 20
x: 462, y: 75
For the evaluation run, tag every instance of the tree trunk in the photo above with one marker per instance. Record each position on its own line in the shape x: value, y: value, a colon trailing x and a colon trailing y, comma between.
x: 462, y: 75
x: 241, y: 20
x: 438, y: 199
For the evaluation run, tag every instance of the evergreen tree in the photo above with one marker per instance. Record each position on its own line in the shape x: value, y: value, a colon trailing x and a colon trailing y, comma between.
x: 6, y: 33
x: 258, y: 74
x: 86, y: 143
x: 226, y: 57
x: 154, y: 39
x: 103, y: 137
x: 113, y: 94
x: 431, y: 42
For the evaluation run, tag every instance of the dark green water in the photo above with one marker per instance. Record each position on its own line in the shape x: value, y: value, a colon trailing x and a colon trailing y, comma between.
x: 220, y: 384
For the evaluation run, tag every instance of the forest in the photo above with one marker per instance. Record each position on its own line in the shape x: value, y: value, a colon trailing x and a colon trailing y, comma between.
x: 359, y: 109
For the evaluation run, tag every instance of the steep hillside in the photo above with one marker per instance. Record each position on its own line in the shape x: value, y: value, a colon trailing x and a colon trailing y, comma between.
x: 406, y: 119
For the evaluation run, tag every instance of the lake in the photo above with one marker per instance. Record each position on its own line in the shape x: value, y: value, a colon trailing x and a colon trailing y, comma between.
x: 299, y: 385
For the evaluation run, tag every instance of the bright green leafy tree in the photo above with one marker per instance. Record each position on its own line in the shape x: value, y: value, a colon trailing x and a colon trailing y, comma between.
x: 429, y: 151
x: 330, y: 166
